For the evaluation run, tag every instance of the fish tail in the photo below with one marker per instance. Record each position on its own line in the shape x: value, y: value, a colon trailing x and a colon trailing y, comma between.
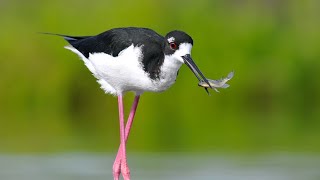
x: 225, y: 86
x: 230, y: 75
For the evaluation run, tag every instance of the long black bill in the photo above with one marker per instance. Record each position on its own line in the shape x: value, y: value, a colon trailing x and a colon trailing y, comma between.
x: 194, y: 68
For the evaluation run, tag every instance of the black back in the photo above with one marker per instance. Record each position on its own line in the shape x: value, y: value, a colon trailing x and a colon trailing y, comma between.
x: 113, y: 41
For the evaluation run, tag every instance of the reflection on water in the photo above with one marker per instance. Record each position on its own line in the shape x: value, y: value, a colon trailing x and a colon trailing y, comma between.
x: 80, y: 166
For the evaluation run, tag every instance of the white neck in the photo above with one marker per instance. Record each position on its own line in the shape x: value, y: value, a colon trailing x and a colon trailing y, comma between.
x: 169, y: 70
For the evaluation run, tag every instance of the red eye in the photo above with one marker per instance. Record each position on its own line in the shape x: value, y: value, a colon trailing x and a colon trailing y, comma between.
x: 173, y: 46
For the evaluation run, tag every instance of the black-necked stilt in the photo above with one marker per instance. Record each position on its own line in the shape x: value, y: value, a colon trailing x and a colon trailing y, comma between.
x: 133, y: 59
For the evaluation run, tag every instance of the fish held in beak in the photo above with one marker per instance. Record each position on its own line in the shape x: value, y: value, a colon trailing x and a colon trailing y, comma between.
x: 215, y: 84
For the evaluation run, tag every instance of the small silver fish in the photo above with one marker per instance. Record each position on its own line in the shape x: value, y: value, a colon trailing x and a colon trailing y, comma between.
x: 220, y: 83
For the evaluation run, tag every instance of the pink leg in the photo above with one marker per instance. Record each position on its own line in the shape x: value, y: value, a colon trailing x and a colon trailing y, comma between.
x: 117, y: 163
x: 124, y: 166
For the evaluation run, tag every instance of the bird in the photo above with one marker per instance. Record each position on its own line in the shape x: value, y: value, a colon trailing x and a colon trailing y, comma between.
x: 133, y: 59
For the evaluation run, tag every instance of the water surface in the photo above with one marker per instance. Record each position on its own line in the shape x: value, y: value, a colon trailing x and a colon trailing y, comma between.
x: 84, y: 166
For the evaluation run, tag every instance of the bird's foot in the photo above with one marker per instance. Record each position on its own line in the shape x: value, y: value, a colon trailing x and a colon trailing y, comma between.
x: 125, y: 171
x: 116, y: 170
x: 122, y: 168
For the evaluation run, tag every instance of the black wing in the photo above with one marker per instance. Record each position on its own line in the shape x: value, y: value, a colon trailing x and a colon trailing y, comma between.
x: 113, y: 41
x: 106, y: 42
x: 110, y: 42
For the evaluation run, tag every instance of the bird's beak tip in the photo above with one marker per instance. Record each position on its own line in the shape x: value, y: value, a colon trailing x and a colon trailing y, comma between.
x: 190, y: 63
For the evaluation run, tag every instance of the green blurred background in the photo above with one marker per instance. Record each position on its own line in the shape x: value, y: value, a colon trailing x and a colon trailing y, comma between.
x: 50, y: 102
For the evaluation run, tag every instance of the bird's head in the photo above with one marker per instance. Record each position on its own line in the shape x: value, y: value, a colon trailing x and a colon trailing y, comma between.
x: 178, y: 46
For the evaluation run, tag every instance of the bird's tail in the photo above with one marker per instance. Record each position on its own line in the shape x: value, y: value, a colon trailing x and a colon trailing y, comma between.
x: 68, y: 38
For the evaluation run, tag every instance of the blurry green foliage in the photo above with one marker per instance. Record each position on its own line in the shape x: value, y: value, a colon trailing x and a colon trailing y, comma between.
x: 49, y: 101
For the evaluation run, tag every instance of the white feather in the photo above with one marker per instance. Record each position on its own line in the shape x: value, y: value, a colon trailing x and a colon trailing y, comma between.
x: 104, y: 85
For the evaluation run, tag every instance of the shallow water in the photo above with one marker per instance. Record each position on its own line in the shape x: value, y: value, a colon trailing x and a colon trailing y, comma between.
x: 81, y: 166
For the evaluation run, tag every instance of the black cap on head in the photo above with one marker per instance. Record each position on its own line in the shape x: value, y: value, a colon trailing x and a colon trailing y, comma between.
x: 174, y: 39
x: 179, y: 37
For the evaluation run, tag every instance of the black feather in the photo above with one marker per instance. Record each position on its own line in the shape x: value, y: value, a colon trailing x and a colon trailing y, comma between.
x: 66, y: 37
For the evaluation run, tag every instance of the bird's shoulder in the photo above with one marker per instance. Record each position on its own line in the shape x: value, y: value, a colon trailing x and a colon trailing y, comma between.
x: 113, y: 41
